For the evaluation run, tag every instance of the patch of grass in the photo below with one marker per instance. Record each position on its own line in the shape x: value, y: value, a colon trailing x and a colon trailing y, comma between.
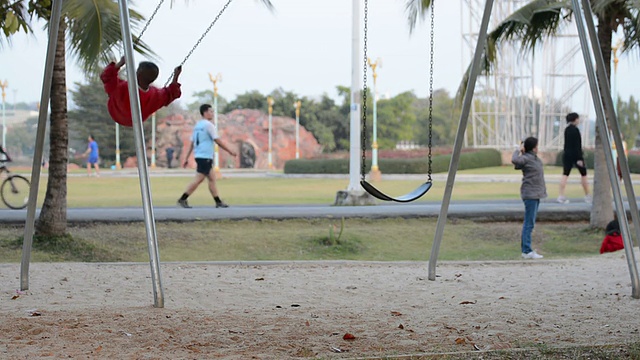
x: 394, y: 239
x: 614, y: 352
x: 61, y: 248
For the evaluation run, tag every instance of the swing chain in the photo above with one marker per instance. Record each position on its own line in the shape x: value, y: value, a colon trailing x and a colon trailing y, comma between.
x: 201, y: 37
x: 148, y: 22
x: 363, y: 133
x: 431, y: 90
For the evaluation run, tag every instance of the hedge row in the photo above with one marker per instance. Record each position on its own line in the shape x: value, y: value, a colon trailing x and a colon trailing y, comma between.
x: 440, y: 163
x: 634, y: 161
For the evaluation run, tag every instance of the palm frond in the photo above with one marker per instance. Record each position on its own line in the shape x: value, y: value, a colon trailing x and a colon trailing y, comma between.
x: 95, y: 33
x: 416, y: 9
x: 530, y: 25
x: 14, y: 18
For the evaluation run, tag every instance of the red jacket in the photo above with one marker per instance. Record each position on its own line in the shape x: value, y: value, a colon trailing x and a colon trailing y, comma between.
x: 611, y: 243
x: 150, y: 100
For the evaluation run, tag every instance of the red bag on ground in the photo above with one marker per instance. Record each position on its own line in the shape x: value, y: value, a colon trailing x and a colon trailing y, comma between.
x: 612, y: 243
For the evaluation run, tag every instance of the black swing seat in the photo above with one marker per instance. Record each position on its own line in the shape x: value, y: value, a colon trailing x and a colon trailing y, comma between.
x: 409, y: 197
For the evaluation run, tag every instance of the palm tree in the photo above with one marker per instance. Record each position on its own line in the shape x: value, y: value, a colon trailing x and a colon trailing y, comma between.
x: 539, y: 20
x: 92, y: 28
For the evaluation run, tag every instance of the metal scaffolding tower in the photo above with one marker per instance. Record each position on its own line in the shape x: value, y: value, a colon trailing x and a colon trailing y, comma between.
x: 508, y: 104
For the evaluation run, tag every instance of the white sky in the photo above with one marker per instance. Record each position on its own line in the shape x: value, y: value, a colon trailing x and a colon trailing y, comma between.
x: 304, y: 47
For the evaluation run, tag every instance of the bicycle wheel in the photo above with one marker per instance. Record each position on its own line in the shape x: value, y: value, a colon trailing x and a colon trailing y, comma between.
x: 15, y: 191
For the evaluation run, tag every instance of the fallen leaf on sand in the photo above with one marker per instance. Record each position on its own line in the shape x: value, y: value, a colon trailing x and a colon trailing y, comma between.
x: 348, y: 336
x: 395, y: 313
x: 468, y: 302
x: 460, y: 341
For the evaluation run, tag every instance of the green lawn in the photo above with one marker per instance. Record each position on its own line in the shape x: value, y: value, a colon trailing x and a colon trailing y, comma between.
x: 110, y: 191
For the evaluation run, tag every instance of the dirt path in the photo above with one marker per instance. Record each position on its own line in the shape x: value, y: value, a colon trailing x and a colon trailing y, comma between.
x: 301, y: 310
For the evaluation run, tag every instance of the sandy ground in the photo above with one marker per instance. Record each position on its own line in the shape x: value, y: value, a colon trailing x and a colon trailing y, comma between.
x: 304, y: 310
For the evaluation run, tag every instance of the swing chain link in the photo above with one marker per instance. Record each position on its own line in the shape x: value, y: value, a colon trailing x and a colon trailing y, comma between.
x: 135, y: 43
x: 215, y: 20
x: 431, y: 89
x: 363, y: 135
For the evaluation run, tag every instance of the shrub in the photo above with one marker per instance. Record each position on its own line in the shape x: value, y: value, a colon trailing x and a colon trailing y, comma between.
x: 440, y: 163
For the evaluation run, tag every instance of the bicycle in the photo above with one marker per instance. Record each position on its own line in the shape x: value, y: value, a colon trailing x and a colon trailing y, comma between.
x: 14, y: 190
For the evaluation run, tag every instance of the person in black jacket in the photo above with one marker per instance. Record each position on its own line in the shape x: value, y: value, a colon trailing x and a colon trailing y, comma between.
x: 573, y: 157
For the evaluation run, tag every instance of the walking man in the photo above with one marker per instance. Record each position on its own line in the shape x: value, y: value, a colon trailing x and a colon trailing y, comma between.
x: 169, y: 156
x: 573, y: 156
x: 204, y: 135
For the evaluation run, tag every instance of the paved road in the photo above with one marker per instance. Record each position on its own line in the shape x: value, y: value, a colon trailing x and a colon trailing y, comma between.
x: 508, y: 210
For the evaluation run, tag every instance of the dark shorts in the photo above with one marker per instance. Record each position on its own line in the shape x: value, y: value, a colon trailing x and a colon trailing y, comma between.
x: 569, y: 163
x: 204, y: 166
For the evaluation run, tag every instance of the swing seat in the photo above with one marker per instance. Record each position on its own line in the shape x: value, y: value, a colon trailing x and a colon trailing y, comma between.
x: 409, y: 197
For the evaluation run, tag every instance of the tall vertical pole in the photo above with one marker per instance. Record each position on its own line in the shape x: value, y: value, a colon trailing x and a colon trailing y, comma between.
x: 216, y: 151
x: 270, y: 104
x: 298, y: 104
x: 601, y: 94
x: 354, y: 119
x: 29, y: 227
x: 145, y: 188
x: 4, y: 85
x: 457, y: 147
x: 375, y: 170
x: 153, y: 141
x: 118, y: 164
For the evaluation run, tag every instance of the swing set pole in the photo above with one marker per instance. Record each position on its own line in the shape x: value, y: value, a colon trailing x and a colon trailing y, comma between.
x: 29, y: 227
x: 457, y: 148
x: 141, y: 154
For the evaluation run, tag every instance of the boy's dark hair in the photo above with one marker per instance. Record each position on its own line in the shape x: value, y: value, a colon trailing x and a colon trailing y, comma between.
x: 91, y: 137
x: 530, y: 143
x: 148, y: 71
x: 571, y: 117
x: 204, y: 108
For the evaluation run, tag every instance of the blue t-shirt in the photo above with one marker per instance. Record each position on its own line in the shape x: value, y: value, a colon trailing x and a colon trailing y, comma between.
x: 204, y: 134
x: 93, y: 154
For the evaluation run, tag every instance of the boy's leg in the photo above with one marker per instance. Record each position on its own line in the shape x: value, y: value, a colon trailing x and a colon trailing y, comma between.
x: 88, y: 168
x: 527, y: 226
x: 97, y: 167
x: 563, y: 186
x: 212, y: 184
x: 193, y: 185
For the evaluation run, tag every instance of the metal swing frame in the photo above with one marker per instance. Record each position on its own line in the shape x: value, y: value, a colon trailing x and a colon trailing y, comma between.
x: 136, y: 113
x: 367, y: 186
x: 606, y: 119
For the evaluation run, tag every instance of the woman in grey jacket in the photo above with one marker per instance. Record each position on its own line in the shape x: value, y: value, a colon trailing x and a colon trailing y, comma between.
x: 532, y: 190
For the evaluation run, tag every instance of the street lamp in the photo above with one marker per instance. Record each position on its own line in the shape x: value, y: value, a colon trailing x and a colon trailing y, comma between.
x: 297, y: 105
x: 3, y: 85
x: 375, y: 171
x: 153, y: 141
x: 216, y: 157
x: 270, y: 103
x: 615, y: 48
x: 118, y: 164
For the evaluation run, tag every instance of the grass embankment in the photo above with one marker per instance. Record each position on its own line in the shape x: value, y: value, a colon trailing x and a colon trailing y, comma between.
x: 301, y: 239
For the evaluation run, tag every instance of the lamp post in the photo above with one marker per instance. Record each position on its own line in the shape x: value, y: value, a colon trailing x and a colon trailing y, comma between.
x: 118, y: 164
x: 153, y: 141
x: 4, y: 85
x: 615, y: 74
x: 270, y: 103
x: 375, y: 171
x: 297, y: 105
x: 216, y: 156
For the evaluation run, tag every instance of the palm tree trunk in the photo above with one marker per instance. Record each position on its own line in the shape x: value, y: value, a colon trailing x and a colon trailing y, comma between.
x: 53, y: 216
x: 602, y: 208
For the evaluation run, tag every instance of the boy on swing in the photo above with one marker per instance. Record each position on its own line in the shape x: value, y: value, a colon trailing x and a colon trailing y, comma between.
x: 151, y: 98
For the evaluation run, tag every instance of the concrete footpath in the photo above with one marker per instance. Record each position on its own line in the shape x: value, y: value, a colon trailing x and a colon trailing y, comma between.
x: 494, y: 210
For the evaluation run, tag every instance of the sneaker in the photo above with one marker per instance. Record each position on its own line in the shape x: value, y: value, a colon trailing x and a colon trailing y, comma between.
x: 588, y: 199
x: 532, y: 255
x: 221, y: 205
x: 184, y: 203
x: 562, y: 200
